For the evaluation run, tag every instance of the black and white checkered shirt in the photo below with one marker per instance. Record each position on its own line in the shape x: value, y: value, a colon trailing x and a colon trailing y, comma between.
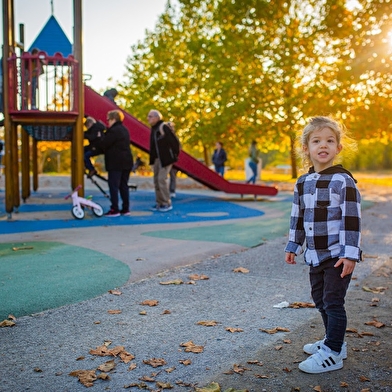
x: 326, y: 212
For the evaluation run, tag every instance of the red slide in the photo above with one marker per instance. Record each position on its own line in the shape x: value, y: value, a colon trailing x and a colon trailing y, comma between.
x: 97, y: 106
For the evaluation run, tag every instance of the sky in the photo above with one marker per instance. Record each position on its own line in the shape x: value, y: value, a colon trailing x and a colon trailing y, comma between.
x: 110, y: 28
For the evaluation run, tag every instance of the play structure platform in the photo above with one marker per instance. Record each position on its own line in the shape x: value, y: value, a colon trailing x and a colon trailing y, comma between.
x: 97, y: 106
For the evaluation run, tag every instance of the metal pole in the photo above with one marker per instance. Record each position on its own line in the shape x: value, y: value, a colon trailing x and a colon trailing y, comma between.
x: 77, y: 136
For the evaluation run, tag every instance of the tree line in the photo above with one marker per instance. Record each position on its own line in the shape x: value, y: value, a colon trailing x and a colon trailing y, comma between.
x: 243, y: 70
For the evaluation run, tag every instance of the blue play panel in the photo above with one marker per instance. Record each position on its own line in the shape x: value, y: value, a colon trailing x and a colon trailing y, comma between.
x: 40, y: 211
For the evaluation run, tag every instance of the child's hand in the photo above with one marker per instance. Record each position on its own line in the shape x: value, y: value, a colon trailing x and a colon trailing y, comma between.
x: 290, y: 258
x: 348, y: 266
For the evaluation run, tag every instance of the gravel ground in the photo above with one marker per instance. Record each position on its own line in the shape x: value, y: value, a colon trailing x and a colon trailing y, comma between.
x: 42, y: 350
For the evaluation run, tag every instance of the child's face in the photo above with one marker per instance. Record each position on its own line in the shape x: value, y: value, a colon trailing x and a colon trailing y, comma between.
x: 322, y: 148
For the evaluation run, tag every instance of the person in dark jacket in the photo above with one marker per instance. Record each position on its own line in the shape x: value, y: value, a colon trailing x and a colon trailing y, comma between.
x: 94, y: 134
x: 219, y: 158
x: 118, y: 162
x: 163, y: 153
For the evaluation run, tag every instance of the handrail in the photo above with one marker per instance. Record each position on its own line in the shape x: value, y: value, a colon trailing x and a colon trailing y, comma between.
x: 42, y: 82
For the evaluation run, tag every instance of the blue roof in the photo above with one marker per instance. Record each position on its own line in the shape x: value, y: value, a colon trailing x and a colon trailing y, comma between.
x: 52, y: 39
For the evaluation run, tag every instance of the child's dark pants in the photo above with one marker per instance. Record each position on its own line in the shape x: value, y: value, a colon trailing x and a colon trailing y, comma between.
x: 328, y: 293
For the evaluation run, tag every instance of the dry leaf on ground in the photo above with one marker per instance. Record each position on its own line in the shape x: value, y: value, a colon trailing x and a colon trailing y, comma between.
x: 241, y: 269
x: 198, y: 277
x: 154, y: 362
x: 191, y: 347
x: 115, y: 292
x: 175, y: 282
x: 150, y: 302
x: 274, y: 330
x: 86, y: 377
x: 375, y: 323
x: 297, y: 305
x: 114, y: 311
x: 208, y: 323
x: 374, y: 290
x: 185, y: 362
x: 232, y: 330
x: 107, y: 366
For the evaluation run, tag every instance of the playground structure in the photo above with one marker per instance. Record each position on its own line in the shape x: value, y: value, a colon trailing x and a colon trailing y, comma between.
x: 45, y: 99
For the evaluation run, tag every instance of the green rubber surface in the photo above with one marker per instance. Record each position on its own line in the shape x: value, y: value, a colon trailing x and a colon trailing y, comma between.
x: 36, y: 276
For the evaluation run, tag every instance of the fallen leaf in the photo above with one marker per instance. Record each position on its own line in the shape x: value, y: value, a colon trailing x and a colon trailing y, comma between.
x: 142, y: 313
x: 363, y: 379
x: 80, y: 358
x: 132, y: 366
x: 352, y: 330
x: 297, y: 305
x: 38, y: 370
x: 198, y: 277
x: 107, y: 366
x: 6, y: 323
x: 170, y: 370
x: 126, y: 357
x: 147, y: 379
x: 101, y: 351
x: 375, y: 323
x: 190, y: 347
x: 261, y: 376
x: 241, y: 269
x: 255, y: 362
x: 103, y: 376
x: 114, y: 311
x: 166, y: 311
x: 232, y: 330
x: 287, y: 341
x: 175, y: 282
x: 115, y: 292
x: 163, y: 385
x: 213, y: 387
x: 274, y: 330
x: 22, y: 248
x: 374, y: 290
x: 86, y: 377
x: 208, y: 323
x: 185, y: 362
x: 317, y: 388
x: 150, y: 302
x: 116, y: 351
x: 11, y: 317
x: 154, y: 362
x: 278, y: 348
x: 343, y: 384
x: 287, y: 370
x: 239, y: 369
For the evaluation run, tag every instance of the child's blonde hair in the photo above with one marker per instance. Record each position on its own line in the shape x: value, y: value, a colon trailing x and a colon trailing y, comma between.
x: 317, y: 123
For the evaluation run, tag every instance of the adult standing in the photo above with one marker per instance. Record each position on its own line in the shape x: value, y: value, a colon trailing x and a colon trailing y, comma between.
x: 253, y: 161
x: 164, y: 150
x: 219, y: 158
x: 118, y: 162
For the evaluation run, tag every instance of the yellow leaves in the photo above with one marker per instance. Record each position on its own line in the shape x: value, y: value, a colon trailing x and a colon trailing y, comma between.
x: 9, y: 322
x: 208, y: 323
x: 274, y: 330
x: 241, y: 270
x: 191, y: 347
x: 213, y: 387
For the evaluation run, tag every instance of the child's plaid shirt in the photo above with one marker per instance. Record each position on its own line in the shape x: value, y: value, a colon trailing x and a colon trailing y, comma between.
x: 326, y: 212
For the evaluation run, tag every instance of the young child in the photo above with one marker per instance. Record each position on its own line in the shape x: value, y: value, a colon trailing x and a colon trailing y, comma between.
x: 326, y: 213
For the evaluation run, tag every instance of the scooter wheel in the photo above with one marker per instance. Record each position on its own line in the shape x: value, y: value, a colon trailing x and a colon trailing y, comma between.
x: 98, y: 211
x: 77, y: 212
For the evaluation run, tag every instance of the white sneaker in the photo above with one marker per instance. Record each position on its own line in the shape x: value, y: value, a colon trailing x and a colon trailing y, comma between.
x: 173, y: 195
x: 323, y: 361
x: 312, y: 348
